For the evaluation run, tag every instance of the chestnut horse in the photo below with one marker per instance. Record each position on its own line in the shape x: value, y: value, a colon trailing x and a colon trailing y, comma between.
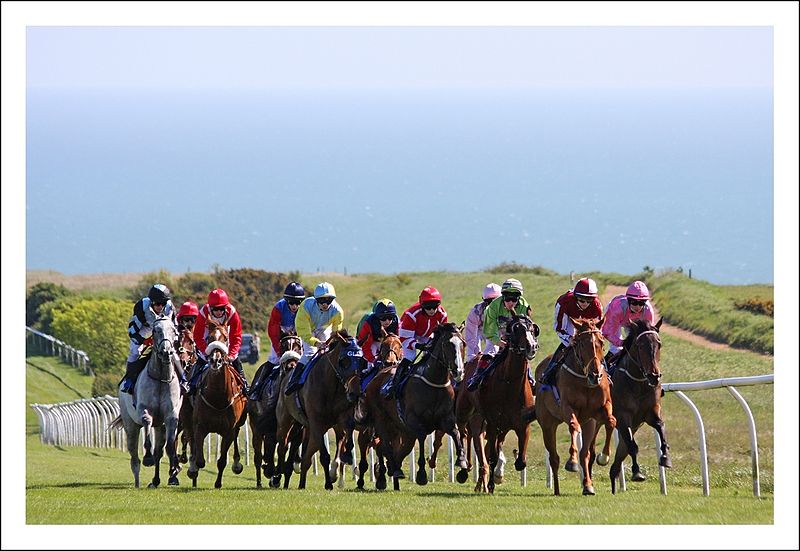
x: 390, y: 354
x: 219, y: 407
x: 262, y: 416
x: 636, y: 394
x: 188, y: 356
x: 426, y: 403
x: 584, y: 401
x: 322, y: 403
x: 501, y: 402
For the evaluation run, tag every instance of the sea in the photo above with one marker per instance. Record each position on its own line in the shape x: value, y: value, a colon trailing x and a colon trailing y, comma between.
x: 389, y: 181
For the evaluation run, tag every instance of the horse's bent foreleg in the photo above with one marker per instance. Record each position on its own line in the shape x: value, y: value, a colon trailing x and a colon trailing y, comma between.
x: 237, y: 466
x: 655, y: 421
x: 605, y: 455
x: 147, y: 424
x: 222, y: 462
x: 523, y: 435
x: 171, y: 428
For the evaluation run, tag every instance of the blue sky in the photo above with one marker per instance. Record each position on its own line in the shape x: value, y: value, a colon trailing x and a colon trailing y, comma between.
x: 398, y: 57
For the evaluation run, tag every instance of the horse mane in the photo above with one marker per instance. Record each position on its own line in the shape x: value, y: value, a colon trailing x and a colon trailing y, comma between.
x: 637, y: 327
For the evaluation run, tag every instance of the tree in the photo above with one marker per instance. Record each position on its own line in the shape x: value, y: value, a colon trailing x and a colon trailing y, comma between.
x: 40, y: 300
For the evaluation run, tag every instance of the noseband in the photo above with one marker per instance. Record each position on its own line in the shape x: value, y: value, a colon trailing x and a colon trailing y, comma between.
x: 638, y: 363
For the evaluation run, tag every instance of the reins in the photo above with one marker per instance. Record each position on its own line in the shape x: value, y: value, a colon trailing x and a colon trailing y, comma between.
x: 585, y: 373
x: 636, y: 362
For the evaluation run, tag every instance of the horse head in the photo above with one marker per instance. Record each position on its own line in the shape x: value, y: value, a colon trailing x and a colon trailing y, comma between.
x: 391, y: 350
x: 447, y: 347
x: 290, y: 341
x: 164, y: 337
x: 643, y: 347
x: 348, y: 362
x: 186, y: 348
x: 521, y: 335
x: 217, y: 345
x: 587, y: 347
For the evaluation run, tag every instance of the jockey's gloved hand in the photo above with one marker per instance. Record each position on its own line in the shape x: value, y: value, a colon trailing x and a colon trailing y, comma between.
x: 421, y: 345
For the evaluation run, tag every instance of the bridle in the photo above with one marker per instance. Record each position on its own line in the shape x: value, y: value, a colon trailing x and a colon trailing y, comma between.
x: 638, y: 363
x: 390, y: 351
x: 163, y: 356
x: 452, y: 366
x: 527, y: 349
x: 585, y: 372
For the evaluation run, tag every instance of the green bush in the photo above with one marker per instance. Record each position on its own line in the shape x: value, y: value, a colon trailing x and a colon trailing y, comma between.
x: 515, y: 267
x: 757, y: 306
x: 96, y: 326
x: 39, y: 302
x: 106, y: 383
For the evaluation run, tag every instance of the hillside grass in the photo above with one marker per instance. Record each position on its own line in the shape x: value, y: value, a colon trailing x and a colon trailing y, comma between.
x: 709, y: 310
x: 50, y: 381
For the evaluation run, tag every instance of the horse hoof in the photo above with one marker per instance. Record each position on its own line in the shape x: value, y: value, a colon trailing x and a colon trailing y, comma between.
x: 360, y: 484
x: 398, y: 474
x: 462, y: 476
x: 275, y: 482
x: 588, y: 490
x: 347, y: 457
x: 152, y: 486
x: 218, y: 485
x: 182, y: 458
x: 462, y: 464
x: 665, y: 462
x: 602, y: 459
x: 380, y: 484
x: 520, y: 464
x: 173, y: 481
x: 638, y: 477
x: 148, y: 461
x: 329, y: 486
x: 201, y: 465
x: 571, y: 466
x: 498, y: 479
x: 192, y: 474
x: 421, y: 478
x: 237, y: 468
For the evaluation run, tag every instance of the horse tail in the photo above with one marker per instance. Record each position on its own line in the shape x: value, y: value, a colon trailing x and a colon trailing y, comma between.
x: 115, y: 424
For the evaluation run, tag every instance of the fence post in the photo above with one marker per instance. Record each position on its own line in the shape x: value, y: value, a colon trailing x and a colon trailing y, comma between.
x: 751, y: 425
x: 702, y: 437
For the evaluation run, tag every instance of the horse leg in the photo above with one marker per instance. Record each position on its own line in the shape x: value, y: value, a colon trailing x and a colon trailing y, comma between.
x: 589, y: 432
x: 654, y: 420
x: 147, y: 424
x: 364, y: 441
x: 422, y: 475
x: 132, y: 440
x: 451, y: 428
x: 337, y: 457
x: 258, y: 439
x: 197, y: 460
x: 237, y: 466
x: 380, y: 475
x: 491, y: 448
x: 633, y: 450
x: 308, y: 453
x: 574, y: 429
x: 479, y: 444
x: 401, y: 451
x: 437, y: 443
x: 605, y: 455
x: 549, y: 440
x: 171, y: 428
x: 158, y: 452
x: 222, y: 462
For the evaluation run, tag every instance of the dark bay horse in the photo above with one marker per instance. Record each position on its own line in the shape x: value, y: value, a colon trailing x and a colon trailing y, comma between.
x: 390, y: 354
x: 584, y: 401
x: 322, y: 403
x: 187, y: 354
x: 262, y: 413
x: 219, y: 407
x: 156, y: 404
x: 502, y: 401
x: 426, y: 404
x: 636, y: 394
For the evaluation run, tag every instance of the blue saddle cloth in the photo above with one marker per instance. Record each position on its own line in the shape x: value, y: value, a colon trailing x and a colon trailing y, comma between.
x: 311, y: 363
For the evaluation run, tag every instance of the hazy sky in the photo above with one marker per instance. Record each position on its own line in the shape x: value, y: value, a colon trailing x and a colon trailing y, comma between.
x: 398, y: 57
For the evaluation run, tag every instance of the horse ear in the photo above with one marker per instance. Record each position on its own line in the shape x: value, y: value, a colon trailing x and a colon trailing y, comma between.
x: 601, y: 322
x: 461, y: 326
x: 658, y: 325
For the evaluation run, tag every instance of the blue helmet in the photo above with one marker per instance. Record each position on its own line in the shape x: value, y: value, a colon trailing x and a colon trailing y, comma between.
x: 325, y: 290
x: 294, y: 290
x: 384, y: 306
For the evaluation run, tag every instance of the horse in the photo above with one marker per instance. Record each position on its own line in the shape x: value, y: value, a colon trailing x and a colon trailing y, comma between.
x: 390, y: 354
x: 584, y: 401
x: 156, y: 404
x: 219, y: 407
x: 323, y: 402
x: 636, y: 394
x: 501, y: 403
x: 425, y: 403
x: 187, y: 353
x: 262, y: 413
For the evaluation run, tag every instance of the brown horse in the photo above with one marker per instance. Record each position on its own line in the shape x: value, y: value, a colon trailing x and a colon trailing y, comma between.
x: 262, y: 413
x: 322, y: 403
x: 390, y: 354
x: 219, y: 407
x: 636, y: 394
x: 426, y: 403
x: 188, y: 356
x: 501, y: 402
x: 584, y: 401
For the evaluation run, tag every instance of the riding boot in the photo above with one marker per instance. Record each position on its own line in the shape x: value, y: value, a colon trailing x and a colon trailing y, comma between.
x: 194, y: 376
x: 237, y: 364
x: 548, y: 376
x: 396, y: 380
x: 480, y: 374
x: 610, y: 362
x: 131, y: 373
x: 294, y: 382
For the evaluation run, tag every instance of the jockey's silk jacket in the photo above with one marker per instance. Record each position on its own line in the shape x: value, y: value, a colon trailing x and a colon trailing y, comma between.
x: 496, y: 318
x: 567, y: 307
x: 140, y: 328
x: 473, y: 332
x: 233, y: 322
x: 315, y: 326
x: 366, y: 337
x: 417, y: 326
x: 618, y: 315
x: 281, y: 319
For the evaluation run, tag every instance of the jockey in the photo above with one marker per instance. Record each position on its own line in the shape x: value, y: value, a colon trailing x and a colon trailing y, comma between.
x: 221, y: 311
x: 384, y: 315
x: 579, y: 303
x: 622, y: 310
x: 281, y: 321
x: 416, y: 326
x: 495, y: 320
x: 318, y: 318
x: 140, y: 331
x: 473, y: 331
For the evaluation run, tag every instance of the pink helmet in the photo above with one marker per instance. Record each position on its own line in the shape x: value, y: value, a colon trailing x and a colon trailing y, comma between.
x: 218, y: 298
x: 585, y: 287
x: 492, y: 290
x: 638, y: 291
x: 188, y: 308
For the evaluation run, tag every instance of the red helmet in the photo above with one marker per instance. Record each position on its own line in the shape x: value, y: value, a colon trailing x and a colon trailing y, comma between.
x: 188, y: 308
x: 585, y: 287
x: 218, y: 298
x: 430, y: 294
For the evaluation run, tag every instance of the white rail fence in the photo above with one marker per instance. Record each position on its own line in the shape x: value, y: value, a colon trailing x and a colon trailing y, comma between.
x: 85, y: 423
x: 51, y: 345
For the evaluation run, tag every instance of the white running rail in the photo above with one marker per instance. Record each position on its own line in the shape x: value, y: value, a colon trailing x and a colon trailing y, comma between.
x: 54, y: 347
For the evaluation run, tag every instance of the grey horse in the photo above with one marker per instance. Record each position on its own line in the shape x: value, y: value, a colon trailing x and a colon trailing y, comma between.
x: 155, y: 404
